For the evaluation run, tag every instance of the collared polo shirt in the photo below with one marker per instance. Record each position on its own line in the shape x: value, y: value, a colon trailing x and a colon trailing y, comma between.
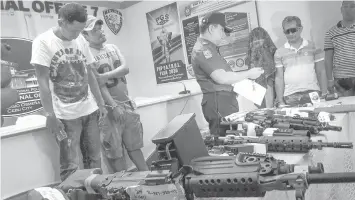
x: 298, y: 64
x: 205, y: 58
x: 342, y: 40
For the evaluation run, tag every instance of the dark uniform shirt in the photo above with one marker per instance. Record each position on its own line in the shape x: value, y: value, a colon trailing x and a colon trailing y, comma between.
x: 205, y: 59
x: 218, y: 100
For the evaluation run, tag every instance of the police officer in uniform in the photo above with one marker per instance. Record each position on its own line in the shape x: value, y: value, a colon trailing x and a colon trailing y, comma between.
x: 214, y: 75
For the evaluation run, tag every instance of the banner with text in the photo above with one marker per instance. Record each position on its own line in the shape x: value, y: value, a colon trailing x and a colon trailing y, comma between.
x: 21, y: 22
x: 234, y: 47
x: 165, y: 39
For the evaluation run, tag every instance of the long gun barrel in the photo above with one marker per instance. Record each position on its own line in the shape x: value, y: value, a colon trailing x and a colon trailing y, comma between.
x: 285, y: 143
x: 327, y: 178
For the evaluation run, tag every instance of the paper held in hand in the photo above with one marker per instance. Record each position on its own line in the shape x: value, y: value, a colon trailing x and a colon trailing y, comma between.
x: 250, y: 90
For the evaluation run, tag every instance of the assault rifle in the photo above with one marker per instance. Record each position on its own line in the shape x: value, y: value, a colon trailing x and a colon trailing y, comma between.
x: 299, y: 144
x: 287, y: 122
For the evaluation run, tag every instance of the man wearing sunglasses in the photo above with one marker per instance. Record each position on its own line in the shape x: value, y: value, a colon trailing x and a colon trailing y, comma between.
x: 299, y: 71
x: 214, y: 75
x: 339, y: 47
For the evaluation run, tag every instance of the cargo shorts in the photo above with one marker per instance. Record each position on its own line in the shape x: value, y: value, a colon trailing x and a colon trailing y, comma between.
x: 127, y: 132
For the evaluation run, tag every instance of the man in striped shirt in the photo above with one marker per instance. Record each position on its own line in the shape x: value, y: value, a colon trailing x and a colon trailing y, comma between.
x: 339, y: 47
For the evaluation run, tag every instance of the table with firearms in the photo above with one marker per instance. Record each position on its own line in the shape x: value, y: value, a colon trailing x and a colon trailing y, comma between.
x: 308, y: 142
x: 307, y: 157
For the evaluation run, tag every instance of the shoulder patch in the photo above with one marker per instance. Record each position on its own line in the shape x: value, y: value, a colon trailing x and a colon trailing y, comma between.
x: 207, y: 53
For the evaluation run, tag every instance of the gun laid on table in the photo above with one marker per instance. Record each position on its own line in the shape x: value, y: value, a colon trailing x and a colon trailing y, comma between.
x: 287, y: 122
x: 298, y: 144
x: 282, y: 132
x: 270, y: 165
x: 205, y: 177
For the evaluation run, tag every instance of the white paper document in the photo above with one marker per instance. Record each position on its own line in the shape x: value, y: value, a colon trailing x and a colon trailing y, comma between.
x: 250, y: 90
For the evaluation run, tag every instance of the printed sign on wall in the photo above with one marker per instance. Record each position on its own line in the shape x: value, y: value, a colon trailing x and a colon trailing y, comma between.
x: 166, y: 44
x: 23, y: 78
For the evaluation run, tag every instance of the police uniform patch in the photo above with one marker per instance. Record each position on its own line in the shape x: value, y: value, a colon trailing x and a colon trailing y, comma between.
x: 207, y: 53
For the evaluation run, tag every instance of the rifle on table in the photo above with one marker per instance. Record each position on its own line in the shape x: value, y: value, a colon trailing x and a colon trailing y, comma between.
x: 205, y: 177
x: 286, y: 122
x: 299, y: 144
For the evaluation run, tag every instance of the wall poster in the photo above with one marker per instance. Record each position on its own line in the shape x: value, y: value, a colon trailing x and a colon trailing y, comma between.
x: 21, y: 22
x: 241, y: 15
x: 166, y: 44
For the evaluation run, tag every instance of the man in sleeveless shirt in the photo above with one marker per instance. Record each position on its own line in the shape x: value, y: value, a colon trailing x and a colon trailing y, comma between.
x: 123, y: 125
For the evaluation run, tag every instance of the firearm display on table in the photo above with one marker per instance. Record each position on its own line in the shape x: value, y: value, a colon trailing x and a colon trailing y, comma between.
x: 280, y: 132
x: 183, y: 170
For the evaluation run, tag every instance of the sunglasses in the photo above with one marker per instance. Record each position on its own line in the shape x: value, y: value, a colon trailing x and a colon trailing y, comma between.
x: 291, y: 30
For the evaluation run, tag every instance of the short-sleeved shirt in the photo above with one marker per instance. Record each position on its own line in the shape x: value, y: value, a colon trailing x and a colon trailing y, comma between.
x: 108, y: 59
x: 341, y: 39
x: 299, y: 66
x: 205, y: 59
x: 68, y: 78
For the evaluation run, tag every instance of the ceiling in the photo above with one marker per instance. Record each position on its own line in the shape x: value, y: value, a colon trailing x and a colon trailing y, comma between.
x: 108, y: 3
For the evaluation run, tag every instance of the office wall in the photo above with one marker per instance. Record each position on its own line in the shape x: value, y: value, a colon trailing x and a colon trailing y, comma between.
x: 324, y: 15
x: 271, y: 14
x: 316, y: 16
x: 142, y: 82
